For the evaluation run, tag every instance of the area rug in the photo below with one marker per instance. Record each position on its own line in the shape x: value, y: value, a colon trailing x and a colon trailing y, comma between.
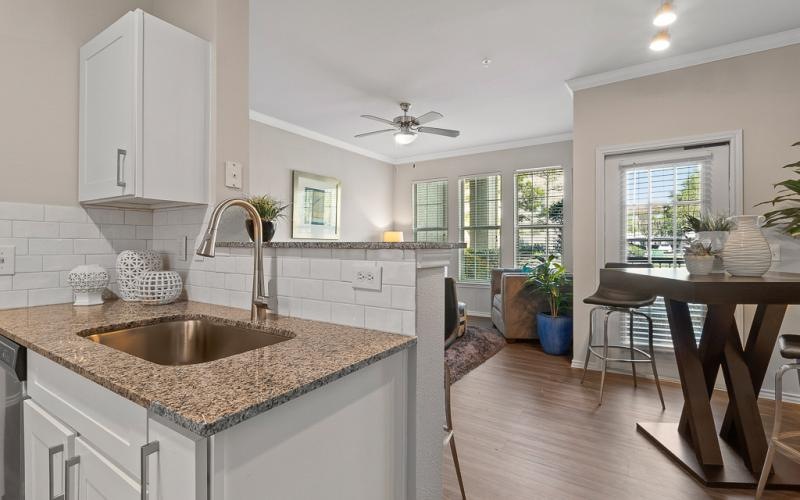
x: 471, y: 350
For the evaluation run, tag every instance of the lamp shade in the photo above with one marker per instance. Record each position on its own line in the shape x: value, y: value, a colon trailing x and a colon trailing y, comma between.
x: 393, y: 236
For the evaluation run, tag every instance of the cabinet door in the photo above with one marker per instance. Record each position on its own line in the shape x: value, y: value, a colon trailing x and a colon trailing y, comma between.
x: 94, y: 477
x: 110, y: 91
x: 48, y: 443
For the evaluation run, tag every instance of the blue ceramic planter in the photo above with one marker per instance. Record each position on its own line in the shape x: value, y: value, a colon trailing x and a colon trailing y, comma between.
x: 555, y: 334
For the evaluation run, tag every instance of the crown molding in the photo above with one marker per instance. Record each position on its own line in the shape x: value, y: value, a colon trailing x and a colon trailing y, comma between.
x: 486, y: 148
x: 744, y: 47
x: 316, y: 136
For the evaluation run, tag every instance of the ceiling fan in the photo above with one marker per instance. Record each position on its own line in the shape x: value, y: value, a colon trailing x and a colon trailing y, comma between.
x: 406, y: 127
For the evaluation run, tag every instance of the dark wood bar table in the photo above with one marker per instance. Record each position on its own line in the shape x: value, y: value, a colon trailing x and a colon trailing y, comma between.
x: 735, y: 460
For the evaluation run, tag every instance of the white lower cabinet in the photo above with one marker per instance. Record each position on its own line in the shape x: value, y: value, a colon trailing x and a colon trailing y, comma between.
x: 92, y: 476
x: 48, y: 445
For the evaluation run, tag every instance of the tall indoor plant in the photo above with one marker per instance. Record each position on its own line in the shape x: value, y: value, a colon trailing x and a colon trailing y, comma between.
x: 270, y: 210
x: 550, y: 279
x: 788, y: 217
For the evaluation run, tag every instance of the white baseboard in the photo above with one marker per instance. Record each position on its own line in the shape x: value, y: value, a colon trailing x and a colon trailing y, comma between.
x: 765, y: 393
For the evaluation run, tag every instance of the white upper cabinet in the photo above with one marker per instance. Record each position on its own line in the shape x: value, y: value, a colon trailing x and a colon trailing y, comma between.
x: 144, y: 108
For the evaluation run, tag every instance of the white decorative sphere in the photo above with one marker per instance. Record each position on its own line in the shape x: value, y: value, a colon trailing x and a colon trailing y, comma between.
x: 88, y: 283
x: 131, y: 265
x: 159, y: 287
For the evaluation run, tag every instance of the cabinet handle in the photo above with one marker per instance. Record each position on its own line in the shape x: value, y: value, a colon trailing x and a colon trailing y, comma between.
x: 67, y: 466
x: 147, y: 450
x: 52, y: 452
x: 121, y: 155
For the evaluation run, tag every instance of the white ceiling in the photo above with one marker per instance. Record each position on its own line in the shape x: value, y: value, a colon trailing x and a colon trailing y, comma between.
x: 319, y: 64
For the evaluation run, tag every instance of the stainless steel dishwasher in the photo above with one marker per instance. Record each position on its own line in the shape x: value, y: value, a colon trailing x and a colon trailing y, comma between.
x: 12, y: 392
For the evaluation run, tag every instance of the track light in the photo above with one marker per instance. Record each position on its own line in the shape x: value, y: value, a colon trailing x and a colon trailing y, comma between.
x: 661, y: 41
x: 665, y: 15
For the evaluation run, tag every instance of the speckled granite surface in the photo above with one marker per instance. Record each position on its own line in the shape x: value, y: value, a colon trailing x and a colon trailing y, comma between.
x: 209, y: 397
x: 349, y: 245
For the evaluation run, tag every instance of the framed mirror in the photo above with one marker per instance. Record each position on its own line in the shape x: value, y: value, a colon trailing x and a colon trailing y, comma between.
x: 316, y: 206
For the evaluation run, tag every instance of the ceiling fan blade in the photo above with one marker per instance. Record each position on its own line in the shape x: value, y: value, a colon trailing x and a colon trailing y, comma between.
x: 439, y: 131
x: 429, y: 117
x: 377, y: 119
x: 376, y: 132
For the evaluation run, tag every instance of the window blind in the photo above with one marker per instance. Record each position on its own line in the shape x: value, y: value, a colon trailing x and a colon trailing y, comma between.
x: 430, y: 211
x: 539, y: 214
x: 480, y: 227
x: 657, y: 198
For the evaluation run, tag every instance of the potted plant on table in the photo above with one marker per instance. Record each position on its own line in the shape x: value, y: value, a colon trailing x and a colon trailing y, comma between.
x: 270, y: 210
x: 715, y: 229
x: 699, y: 257
x: 550, y: 279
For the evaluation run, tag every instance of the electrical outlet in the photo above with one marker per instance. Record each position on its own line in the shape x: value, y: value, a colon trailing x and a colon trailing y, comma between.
x: 775, y: 249
x: 7, y: 259
x: 367, y: 277
x: 233, y: 174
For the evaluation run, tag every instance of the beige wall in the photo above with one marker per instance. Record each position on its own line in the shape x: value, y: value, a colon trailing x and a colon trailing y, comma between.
x: 39, y: 46
x: 757, y: 93
x: 504, y: 162
x: 366, y: 183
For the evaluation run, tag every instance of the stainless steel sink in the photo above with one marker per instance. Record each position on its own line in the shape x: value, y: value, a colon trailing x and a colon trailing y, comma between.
x: 187, y: 341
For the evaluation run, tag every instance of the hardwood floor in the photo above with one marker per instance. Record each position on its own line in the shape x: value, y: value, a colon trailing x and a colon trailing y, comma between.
x: 526, y: 429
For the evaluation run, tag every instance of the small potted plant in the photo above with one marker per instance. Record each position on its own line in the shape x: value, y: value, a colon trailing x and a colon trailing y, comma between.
x: 699, y: 257
x: 550, y: 279
x: 714, y: 228
x: 270, y: 210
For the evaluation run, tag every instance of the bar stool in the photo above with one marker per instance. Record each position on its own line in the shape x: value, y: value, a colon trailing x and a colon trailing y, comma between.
x: 612, y: 301
x: 450, y: 437
x: 790, y: 349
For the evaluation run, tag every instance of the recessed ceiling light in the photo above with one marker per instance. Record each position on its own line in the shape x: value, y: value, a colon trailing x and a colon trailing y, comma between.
x: 665, y: 15
x: 486, y: 62
x: 661, y: 41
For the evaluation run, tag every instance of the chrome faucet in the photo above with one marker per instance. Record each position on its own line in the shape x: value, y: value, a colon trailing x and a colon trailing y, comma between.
x: 259, y: 307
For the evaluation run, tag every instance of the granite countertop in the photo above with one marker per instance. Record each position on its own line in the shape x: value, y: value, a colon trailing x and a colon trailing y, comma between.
x: 349, y: 245
x: 209, y: 397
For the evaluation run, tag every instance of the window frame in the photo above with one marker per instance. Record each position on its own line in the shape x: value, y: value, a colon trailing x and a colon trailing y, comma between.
x: 461, y: 226
x: 544, y: 226
x: 446, y: 212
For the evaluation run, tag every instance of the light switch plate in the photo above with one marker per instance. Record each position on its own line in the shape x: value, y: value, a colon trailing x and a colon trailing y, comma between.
x: 233, y: 174
x: 366, y: 277
x: 7, y: 259
x: 775, y: 249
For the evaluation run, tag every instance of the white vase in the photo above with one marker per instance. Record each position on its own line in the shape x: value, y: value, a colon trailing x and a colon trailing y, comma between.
x: 717, y: 240
x: 699, y: 265
x: 747, y: 252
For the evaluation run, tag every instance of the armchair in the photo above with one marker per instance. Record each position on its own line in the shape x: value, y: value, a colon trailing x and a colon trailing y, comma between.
x: 514, y: 308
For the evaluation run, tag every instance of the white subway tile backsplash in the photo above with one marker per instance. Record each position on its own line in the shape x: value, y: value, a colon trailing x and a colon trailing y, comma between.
x: 20, y: 244
x: 224, y: 264
x: 26, y: 281
x: 139, y: 217
x: 79, y: 230
x: 160, y: 218
x: 307, y: 288
x: 108, y: 261
x: 106, y: 215
x: 350, y: 254
x: 21, y: 211
x: 242, y: 300
x: 118, y: 231
x: 325, y: 269
x: 13, y: 299
x: 385, y: 254
x: 348, y: 314
x: 387, y: 320
x: 5, y: 282
x: 399, y: 273
x: 27, y: 264
x: 409, y: 323
x: 236, y: 282
x: 293, y: 268
x: 339, y: 291
x: 289, y: 306
x: 120, y: 245
x: 220, y: 297
x: 377, y: 298
x: 62, y: 262
x: 347, y: 268
x: 287, y: 252
x: 316, y: 310
x: 50, y: 246
x: 315, y: 253
x: 403, y: 297
x: 58, y: 213
x: 144, y: 232
x: 92, y: 246
x: 46, y: 296
x: 215, y: 280
x: 33, y: 229
x: 5, y: 228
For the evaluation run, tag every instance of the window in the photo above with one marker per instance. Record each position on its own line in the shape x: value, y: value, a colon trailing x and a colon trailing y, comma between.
x: 430, y: 211
x: 539, y: 214
x: 657, y: 198
x: 480, y: 227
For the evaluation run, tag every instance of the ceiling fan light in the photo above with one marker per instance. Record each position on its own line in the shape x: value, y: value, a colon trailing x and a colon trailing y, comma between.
x: 661, y: 41
x: 405, y: 137
x: 665, y: 15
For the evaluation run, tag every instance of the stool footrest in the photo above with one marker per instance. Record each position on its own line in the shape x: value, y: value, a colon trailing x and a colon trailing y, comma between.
x: 621, y: 360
